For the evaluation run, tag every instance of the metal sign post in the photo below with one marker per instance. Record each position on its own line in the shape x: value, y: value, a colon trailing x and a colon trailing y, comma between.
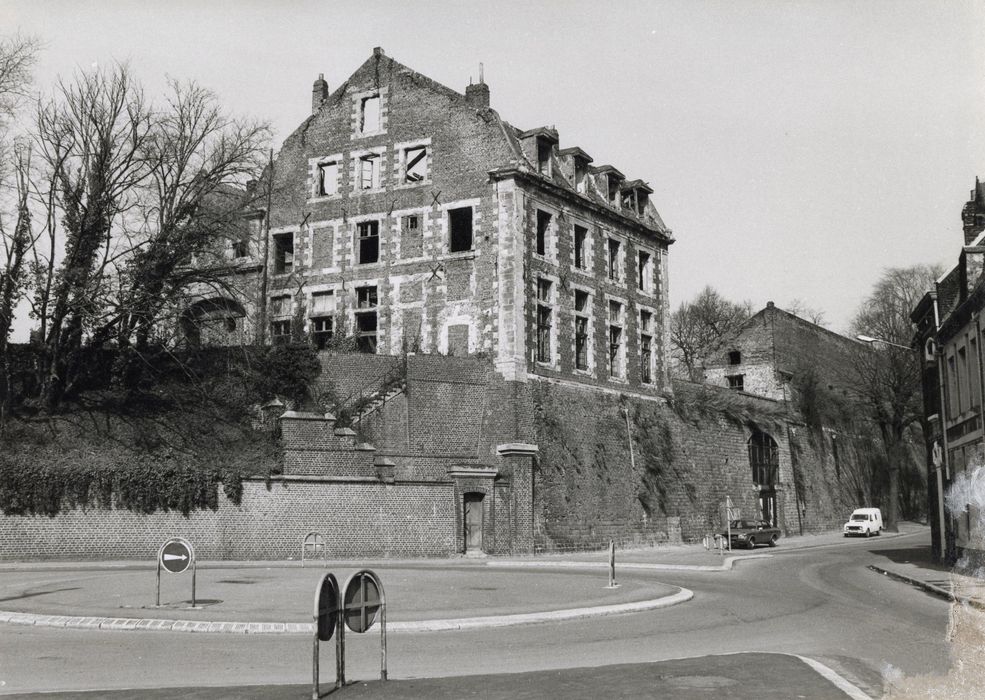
x: 326, y: 616
x: 175, y: 556
x: 362, y: 599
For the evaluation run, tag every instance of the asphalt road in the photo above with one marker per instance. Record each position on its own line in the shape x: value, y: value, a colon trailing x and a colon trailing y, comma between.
x: 821, y: 603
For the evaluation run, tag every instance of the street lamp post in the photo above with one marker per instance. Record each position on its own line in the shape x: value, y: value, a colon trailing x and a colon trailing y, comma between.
x: 870, y: 339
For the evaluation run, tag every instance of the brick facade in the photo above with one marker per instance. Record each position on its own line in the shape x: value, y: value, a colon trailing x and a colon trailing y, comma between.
x: 415, y: 217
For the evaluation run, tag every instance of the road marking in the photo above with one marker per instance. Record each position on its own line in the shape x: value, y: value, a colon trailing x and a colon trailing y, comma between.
x: 843, y: 684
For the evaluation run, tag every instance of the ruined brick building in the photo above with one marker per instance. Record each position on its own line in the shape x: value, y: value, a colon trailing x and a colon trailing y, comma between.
x: 417, y: 218
x: 775, y: 347
x: 509, y: 297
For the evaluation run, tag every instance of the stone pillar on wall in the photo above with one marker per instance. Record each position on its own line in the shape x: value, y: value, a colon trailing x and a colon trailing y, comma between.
x: 511, y: 361
x: 518, y: 463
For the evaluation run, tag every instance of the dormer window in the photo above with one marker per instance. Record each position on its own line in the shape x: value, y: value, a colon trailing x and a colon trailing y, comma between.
x: 544, y: 150
x: 613, y: 190
x: 581, y: 171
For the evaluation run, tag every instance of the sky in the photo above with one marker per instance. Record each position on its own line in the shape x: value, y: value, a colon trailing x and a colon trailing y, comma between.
x: 795, y: 148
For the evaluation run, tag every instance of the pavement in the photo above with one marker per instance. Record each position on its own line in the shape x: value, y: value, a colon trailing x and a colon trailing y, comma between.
x: 728, y: 677
x: 276, y: 597
x: 253, y: 596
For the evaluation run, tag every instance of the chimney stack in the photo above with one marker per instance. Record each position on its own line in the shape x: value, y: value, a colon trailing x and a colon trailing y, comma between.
x: 319, y: 93
x: 478, y: 94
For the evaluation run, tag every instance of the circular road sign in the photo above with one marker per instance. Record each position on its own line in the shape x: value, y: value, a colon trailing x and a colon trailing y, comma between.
x: 326, y: 607
x: 362, y: 602
x: 176, y: 555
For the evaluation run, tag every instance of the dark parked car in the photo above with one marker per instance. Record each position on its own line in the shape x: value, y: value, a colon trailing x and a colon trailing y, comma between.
x: 749, y: 533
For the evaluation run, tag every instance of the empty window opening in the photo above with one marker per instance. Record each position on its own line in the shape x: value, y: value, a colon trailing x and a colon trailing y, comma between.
x: 641, y: 199
x: 283, y: 253
x: 544, y: 320
x: 544, y: 150
x: 629, y: 200
x: 411, y: 224
x: 581, y: 301
x: 415, y: 168
x: 614, y: 260
x: 645, y: 272
x: 369, y: 172
x: 543, y: 224
x: 581, y: 343
x: 581, y: 329
x: 646, y: 347
x: 368, y: 234
x: 615, y: 351
x: 736, y: 382
x: 369, y: 114
x: 241, y: 248
x: 460, y: 226
x: 735, y: 357
x: 581, y: 170
x: 366, y: 319
x: 581, y: 235
x: 328, y: 179
x: 616, y: 367
x: 613, y: 189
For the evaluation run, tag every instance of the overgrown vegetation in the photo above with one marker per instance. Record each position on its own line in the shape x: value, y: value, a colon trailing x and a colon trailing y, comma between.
x: 166, y: 445
x: 701, y: 404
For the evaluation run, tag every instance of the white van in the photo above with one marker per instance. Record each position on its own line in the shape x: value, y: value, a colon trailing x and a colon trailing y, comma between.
x: 864, y: 521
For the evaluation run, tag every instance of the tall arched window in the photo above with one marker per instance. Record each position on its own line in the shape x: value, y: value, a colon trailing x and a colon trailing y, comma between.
x: 763, y: 458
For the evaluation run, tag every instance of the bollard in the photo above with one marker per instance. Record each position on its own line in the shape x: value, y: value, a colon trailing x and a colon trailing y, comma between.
x: 612, y: 565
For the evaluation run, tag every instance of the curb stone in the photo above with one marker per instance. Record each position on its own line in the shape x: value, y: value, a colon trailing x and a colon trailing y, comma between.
x: 928, y: 587
x: 221, y: 627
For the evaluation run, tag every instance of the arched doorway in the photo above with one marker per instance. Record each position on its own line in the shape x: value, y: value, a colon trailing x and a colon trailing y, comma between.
x: 764, y: 460
x: 472, y: 521
x: 215, y: 321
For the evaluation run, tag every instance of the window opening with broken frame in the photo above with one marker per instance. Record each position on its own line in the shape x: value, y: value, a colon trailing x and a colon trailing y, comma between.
x: 614, y: 250
x: 646, y: 347
x: 415, y: 164
x: 368, y: 237
x: 616, y: 368
x: 322, y: 318
x: 328, y: 179
x: 582, y: 301
x: 581, y: 236
x: 369, y: 171
x: 283, y: 253
x: 544, y: 320
x: 366, y: 319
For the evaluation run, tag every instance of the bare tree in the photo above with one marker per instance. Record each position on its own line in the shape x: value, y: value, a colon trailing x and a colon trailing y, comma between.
x: 92, y: 137
x: 887, y: 378
x: 699, y: 327
x: 192, y: 210
x: 17, y: 56
x: 798, y: 307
